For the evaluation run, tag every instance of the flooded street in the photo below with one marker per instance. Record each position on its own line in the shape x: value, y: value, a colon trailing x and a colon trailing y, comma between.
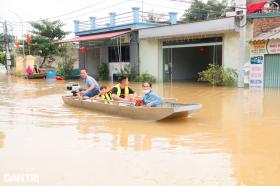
x: 233, y: 140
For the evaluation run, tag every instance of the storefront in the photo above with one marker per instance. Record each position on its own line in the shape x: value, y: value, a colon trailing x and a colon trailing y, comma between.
x: 265, y: 60
x: 180, y: 52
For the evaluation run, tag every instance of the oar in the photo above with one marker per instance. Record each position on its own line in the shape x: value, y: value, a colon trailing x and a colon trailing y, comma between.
x: 170, y: 99
x: 164, y: 99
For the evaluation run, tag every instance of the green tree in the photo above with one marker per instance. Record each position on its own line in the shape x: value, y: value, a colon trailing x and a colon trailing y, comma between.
x: 200, y: 11
x: 44, y: 36
x: 11, y: 41
x: 2, y: 58
x: 153, y: 17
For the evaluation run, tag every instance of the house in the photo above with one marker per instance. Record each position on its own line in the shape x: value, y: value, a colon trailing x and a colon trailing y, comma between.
x: 265, y: 50
x: 173, y: 51
x: 112, y: 40
x: 178, y: 52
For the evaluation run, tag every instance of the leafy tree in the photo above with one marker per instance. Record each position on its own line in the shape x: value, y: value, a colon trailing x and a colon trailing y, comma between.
x: 200, y: 11
x: 11, y: 41
x: 153, y: 17
x: 44, y: 36
x: 2, y: 58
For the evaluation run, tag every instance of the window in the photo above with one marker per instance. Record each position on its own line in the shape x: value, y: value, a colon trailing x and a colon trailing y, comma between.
x: 115, y: 51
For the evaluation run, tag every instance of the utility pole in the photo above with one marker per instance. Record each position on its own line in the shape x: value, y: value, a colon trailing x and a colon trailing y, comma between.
x: 142, y: 10
x: 241, y: 16
x: 7, y: 48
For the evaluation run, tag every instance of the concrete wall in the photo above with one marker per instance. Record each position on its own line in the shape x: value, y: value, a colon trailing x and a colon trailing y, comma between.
x: 134, y: 55
x: 104, y: 57
x: 231, y: 49
x: 92, y: 61
x: 149, y: 55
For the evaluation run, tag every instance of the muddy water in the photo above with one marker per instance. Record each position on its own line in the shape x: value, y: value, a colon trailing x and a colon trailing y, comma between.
x: 234, y: 140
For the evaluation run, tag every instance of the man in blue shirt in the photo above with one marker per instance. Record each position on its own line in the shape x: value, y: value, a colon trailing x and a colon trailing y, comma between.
x: 92, y: 87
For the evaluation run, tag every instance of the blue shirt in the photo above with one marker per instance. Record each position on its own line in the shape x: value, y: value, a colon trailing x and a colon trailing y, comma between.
x: 152, y: 98
x: 89, y: 81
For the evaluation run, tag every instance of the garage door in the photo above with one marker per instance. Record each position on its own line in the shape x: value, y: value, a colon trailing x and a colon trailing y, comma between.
x: 272, y: 71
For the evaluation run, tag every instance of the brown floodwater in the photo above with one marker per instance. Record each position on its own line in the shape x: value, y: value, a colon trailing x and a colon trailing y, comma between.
x: 233, y: 140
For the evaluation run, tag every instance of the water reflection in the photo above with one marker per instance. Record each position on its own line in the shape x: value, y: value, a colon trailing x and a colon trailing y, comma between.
x: 2, y: 138
x: 234, y: 140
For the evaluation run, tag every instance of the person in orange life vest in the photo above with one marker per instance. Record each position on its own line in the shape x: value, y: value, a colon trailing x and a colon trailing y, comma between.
x: 121, y: 91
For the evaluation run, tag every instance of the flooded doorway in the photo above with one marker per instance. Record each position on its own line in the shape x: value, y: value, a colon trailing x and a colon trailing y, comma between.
x: 182, y: 61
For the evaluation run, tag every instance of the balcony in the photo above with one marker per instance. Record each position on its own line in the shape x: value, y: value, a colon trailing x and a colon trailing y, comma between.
x: 124, y: 21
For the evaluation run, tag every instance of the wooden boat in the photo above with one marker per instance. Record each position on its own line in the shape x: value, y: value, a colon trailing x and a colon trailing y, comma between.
x: 166, y: 111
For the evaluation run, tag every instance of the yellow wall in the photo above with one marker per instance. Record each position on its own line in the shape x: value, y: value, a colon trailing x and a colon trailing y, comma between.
x: 150, y: 57
x: 231, y: 50
x: 28, y: 60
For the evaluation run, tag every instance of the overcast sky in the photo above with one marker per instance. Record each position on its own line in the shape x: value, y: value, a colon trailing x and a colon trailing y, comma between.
x: 17, y: 11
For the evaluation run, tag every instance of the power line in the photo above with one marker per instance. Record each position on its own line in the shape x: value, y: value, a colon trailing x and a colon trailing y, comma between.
x: 96, y: 10
x: 157, y: 5
x: 78, y: 10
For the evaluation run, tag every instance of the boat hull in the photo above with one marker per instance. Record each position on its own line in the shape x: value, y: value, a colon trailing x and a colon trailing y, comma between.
x: 139, y: 113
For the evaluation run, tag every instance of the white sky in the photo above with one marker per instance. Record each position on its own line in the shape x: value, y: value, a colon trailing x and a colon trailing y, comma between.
x: 26, y: 10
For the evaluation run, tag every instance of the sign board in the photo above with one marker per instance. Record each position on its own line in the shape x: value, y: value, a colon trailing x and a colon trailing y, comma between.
x: 258, y: 47
x: 256, y: 71
x: 273, y: 46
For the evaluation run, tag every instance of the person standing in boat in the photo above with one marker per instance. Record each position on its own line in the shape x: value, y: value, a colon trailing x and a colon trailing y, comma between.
x: 150, y: 98
x: 121, y: 91
x: 92, y: 87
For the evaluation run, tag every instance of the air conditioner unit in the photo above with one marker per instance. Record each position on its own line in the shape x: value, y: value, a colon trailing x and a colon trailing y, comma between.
x: 230, y: 14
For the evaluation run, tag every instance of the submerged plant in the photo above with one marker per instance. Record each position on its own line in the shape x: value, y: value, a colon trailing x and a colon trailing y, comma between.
x: 103, y: 71
x: 218, y: 75
x: 147, y: 77
x: 130, y: 72
x: 66, y: 67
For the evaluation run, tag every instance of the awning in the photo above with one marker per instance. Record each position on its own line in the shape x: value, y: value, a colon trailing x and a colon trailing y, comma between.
x: 255, y: 7
x: 94, y: 37
x: 272, y: 34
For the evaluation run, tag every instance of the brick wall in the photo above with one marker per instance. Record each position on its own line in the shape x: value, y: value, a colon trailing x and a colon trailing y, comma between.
x: 262, y: 25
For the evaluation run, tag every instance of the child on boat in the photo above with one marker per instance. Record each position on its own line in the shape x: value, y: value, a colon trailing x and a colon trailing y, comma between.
x: 104, y: 94
x: 150, y: 98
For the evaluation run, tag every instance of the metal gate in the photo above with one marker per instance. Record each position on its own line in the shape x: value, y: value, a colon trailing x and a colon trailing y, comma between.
x: 272, y: 71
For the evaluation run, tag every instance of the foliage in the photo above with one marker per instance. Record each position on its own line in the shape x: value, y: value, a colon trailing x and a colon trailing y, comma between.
x: 130, y: 72
x: 66, y: 67
x: 200, y: 11
x: 153, y: 17
x: 147, y: 77
x: 2, y: 58
x: 230, y: 77
x: 44, y: 35
x: 103, y: 71
x: 217, y: 75
x: 11, y: 41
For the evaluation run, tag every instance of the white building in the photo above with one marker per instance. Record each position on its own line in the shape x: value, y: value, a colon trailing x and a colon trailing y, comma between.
x: 179, y: 51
